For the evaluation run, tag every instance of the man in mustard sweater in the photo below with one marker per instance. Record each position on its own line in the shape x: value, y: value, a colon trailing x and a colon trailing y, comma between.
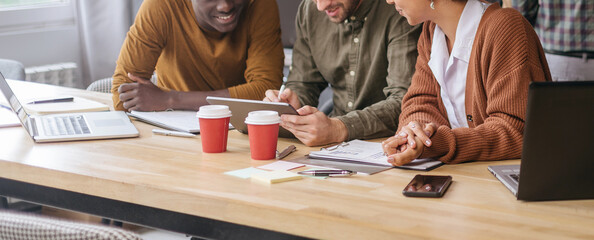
x: 198, y: 48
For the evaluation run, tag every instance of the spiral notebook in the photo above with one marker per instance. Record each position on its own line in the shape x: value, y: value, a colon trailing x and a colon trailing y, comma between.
x: 183, y: 121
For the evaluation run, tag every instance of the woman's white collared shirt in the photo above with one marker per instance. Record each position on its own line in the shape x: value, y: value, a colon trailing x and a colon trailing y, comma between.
x: 451, y: 70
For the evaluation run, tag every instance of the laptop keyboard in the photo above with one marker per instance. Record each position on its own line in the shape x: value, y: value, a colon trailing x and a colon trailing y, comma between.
x: 515, y: 177
x: 513, y: 174
x: 65, y: 125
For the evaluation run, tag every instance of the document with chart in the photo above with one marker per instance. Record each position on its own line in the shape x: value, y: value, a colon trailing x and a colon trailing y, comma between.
x: 371, y: 153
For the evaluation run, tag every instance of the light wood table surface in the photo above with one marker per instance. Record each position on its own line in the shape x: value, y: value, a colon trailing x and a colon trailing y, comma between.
x: 172, y: 174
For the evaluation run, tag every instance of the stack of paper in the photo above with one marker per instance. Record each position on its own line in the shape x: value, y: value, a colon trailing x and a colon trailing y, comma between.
x: 77, y: 105
x: 276, y: 176
x: 356, y: 150
x: 370, y: 153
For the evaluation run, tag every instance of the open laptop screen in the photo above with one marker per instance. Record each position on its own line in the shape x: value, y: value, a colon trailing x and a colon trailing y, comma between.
x: 558, y: 148
x: 14, y: 102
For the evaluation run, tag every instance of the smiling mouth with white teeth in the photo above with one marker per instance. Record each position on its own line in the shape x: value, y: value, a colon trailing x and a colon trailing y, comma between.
x: 225, y: 18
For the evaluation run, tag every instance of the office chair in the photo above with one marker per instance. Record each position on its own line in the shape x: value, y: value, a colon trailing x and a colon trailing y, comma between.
x: 101, y: 85
x: 26, y: 226
x: 12, y: 69
x: 104, y: 85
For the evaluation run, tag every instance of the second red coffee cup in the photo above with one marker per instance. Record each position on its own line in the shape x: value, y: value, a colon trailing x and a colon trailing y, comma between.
x: 214, y: 127
x: 263, y: 133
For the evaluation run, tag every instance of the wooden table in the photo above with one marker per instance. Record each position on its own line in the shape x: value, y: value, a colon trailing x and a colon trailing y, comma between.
x: 167, y: 182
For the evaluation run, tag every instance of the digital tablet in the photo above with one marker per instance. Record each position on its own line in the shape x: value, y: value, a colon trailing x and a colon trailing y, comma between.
x: 241, y: 107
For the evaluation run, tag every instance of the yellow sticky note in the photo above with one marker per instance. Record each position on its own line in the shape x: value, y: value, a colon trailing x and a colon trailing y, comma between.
x: 275, y: 176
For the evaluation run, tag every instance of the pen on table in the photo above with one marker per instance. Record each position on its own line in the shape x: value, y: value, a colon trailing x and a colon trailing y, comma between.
x: 286, y: 152
x: 53, y: 100
x: 328, y: 173
x: 172, y: 133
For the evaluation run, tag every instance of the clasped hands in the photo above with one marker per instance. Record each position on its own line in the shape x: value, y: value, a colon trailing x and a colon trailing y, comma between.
x: 409, y: 143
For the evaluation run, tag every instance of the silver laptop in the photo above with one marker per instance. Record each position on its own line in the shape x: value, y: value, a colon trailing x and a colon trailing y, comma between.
x: 558, y: 146
x: 70, y: 126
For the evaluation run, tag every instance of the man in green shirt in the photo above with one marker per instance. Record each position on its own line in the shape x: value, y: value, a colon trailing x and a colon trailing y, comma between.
x: 366, y: 51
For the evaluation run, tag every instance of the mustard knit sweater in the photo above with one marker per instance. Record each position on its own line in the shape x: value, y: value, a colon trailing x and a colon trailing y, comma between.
x: 506, y: 57
x: 167, y: 38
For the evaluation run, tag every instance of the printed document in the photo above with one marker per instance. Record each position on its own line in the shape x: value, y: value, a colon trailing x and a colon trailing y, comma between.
x: 365, y: 152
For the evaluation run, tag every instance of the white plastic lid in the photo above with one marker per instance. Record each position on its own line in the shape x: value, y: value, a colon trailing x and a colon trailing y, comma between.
x: 262, y: 118
x: 214, y: 111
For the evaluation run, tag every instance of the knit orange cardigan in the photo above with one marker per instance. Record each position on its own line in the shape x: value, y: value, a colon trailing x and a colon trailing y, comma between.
x: 506, y: 56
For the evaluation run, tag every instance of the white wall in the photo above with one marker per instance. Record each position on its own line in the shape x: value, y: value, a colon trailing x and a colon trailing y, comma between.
x: 87, y: 32
x: 41, y: 36
x: 104, y: 25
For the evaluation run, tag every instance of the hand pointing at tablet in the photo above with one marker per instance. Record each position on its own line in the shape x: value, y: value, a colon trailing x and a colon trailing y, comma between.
x: 285, y: 96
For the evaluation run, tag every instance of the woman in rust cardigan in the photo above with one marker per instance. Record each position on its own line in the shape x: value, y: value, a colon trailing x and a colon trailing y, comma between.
x: 467, y: 99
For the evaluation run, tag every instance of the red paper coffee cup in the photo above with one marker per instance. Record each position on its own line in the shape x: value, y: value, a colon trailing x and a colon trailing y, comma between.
x: 214, y: 127
x: 263, y: 133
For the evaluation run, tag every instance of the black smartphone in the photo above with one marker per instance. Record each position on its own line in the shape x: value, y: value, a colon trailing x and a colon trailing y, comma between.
x: 427, y: 186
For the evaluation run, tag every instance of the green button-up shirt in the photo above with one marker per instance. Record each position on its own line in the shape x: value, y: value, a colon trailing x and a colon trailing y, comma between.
x: 368, y: 60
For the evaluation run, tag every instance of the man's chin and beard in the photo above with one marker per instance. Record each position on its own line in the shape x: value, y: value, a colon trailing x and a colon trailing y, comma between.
x: 338, y: 12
